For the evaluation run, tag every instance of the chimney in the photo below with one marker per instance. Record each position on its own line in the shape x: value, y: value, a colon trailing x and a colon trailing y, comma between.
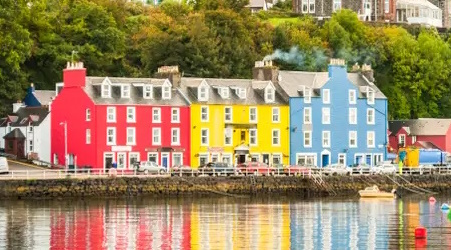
x: 265, y: 71
x: 337, y: 68
x: 17, y: 106
x: 355, y: 68
x: 74, y: 75
x: 368, y: 72
x: 170, y: 72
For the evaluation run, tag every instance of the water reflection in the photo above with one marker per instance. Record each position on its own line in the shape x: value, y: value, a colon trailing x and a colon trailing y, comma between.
x: 221, y: 223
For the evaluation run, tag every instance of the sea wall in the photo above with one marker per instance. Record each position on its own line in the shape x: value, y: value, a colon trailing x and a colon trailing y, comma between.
x: 232, y: 186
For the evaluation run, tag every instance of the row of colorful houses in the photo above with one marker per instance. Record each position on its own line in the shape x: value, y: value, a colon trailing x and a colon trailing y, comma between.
x: 277, y: 117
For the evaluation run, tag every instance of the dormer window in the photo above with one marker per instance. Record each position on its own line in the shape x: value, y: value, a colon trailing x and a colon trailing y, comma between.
x: 224, y: 92
x: 125, y: 91
x: 166, y: 92
x: 148, y: 92
x: 203, y: 93
x: 106, y: 91
x: 307, y: 95
x: 269, y: 94
x: 241, y: 92
x: 370, y: 95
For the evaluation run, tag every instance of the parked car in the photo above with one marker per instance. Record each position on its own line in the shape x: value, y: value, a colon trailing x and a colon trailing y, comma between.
x: 150, y: 167
x: 384, y: 169
x: 361, y: 168
x: 256, y: 168
x: 298, y: 170
x: 4, y: 168
x: 183, y: 170
x: 337, y: 169
x: 217, y: 168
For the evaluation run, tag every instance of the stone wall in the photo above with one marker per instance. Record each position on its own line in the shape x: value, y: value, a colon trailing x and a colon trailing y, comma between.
x: 176, y: 186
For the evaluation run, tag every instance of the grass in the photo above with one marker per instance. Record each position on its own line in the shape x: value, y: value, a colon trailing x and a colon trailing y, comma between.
x: 276, y: 21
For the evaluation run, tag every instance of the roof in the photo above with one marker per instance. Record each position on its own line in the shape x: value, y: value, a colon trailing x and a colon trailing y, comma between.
x: 14, y: 134
x: 422, y: 126
x: 422, y: 3
x: 93, y: 89
x: 44, y: 96
x: 426, y: 145
x: 254, y: 91
x: 292, y: 81
x: 26, y: 115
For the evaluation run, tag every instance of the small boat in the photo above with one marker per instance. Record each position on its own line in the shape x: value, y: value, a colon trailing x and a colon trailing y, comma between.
x: 374, y: 192
x: 445, y: 206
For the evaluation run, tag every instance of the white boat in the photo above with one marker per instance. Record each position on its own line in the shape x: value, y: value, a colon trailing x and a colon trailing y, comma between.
x: 374, y: 192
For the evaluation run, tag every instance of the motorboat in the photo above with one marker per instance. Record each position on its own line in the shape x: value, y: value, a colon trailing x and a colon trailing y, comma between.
x: 374, y: 192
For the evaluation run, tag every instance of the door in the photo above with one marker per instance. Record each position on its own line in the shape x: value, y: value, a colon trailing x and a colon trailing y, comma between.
x: 165, y: 160
x: 121, y: 160
x: 71, y: 161
x: 358, y: 159
x: 325, y: 160
x: 108, y: 160
x: 368, y: 160
x: 265, y: 158
x: 241, y: 159
x: 367, y: 10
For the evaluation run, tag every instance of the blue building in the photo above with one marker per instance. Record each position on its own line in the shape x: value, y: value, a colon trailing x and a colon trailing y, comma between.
x: 335, y: 116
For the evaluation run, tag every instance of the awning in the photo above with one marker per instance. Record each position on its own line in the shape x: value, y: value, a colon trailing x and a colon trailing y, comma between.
x: 242, y: 150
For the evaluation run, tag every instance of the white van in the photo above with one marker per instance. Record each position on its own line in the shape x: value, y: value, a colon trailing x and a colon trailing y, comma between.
x: 3, y: 165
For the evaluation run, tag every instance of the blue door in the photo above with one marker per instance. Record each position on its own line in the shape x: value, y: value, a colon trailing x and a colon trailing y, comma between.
x: 164, y: 160
x: 368, y: 159
x: 325, y: 160
x: 358, y: 159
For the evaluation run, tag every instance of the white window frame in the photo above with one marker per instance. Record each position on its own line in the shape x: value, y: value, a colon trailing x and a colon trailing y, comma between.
x: 278, y: 137
x: 166, y: 92
x: 204, y: 155
x: 270, y: 94
x: 153, y: 154
x: 308, y: 113
x: 353, y: 135
x: 111, y: 111
x: 207, y: 113
x: 344, y: 158
x: 309, y: 144
x: 414, y: 139
x: 88, y: 115
x: 224, y: 92
x: 336, y: 5
x: 326, y: 135
x: 230, y: 114
x: 370, y: 95
x: 131, y: 111
x: 325, y: 115
x: 131, y: 132
x: 225, y: 137
x: 156, y: 131
x: 227, y: 155
x: 307, y: 95
x: 202, y: 93
x: 304, y: 6
x: 215, y: 157
x: 352, y: 119
x: 255, y: 136
x: 368, y: 136
x: 326, y: 96
x: 88, y: 136
x: 241, y: 93
x: 404, y: 139
x: 175, y: 117
x: 177, y: 141
x: 275, y: 156
x: 106, y: 90
x: 250, y: 115
x: 307, y: 156
x: 276, y: 114
x: 368, y: 116
x: 157, y: 118
x: 386, y: 6
x: 148, y: 92
x: 352, y: 96
x: 177, y: 154
x: 133, y: 155
x: 125, y: 91
x: 310, y: 9
x: 113, y: 141
x: 206, y: 143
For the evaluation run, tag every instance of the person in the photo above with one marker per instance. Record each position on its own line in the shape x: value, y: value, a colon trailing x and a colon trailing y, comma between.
x: 400, y: 165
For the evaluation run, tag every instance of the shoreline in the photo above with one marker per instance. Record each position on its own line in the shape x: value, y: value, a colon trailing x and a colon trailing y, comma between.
x: 235, y: 186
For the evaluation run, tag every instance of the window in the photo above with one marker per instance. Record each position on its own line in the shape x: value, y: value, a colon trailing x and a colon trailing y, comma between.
x: 255, y: 157
x: 307, y: 139
x: 224, y: 92
x: 106, y: 91
x: 402, y: 140
x: 352, y: 115
x: 387, y: 6
x: 312, y: 6
x: 243, y: 136
x: 227, y: 158
x: 370, y: 116
x: 214, y: 157
x: 228, y: 136
x: 131, y: 136
x: 370, y: 96
x: 269, y: 94
x: 148, y: 92
x: 175, y: 136
x: 111, y: 114
x: 326, y: 139
x: 370, y: 139
x: 204, y: 113
x: 111, y: 136
x: 307, y: 115
x: 203, y: 159
x: 275, y: 115
x: 276, y: 159
x: 352, y: 139
x: 326, y: 116
x: 352, y: 96
x: 175, y: 115
x: 152, y: 157
x: 88, y: 115
x: 253, y: 137
x: 156, y: 136
x: 336, y: 5
x: 133, y: 159
x: 253, y: 114
x: 156, y: 115
x: 204, y: 137
x: 177, y: 159
x: 166, y: 92
x: 241, y: 93
x: 30, y: 129
x: 307, y: 96
x: 342, y: 159
x: 228, y: 114
x: 131, y: 114
x: 304, y: 6
x: 306, y: 159
x: 203, y: 93
x: 326, y: 96
x: 30, y: 145
x: 414, y: 139
x: 125, y: 91
x: 276, y: 137
x: 88, y: 136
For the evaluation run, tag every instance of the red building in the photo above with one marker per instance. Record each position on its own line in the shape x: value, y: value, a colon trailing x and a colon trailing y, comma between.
x: 121, y: 120
x: 423, y: 133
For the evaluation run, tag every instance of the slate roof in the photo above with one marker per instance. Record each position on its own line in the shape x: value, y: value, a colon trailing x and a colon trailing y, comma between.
x: 93, y: 89
x: 44, y: 96
x: 35, y: 115
x: 422, y: 126
x: 254, y: 91
x: 292, y: 81
x: 15, y: 133
x: 426, y: 145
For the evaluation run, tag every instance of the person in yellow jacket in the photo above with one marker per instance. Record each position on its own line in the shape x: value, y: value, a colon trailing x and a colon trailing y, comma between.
x: 400, y: 165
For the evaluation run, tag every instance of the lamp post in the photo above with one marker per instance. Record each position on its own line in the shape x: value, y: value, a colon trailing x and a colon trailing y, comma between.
x: 65, y: 142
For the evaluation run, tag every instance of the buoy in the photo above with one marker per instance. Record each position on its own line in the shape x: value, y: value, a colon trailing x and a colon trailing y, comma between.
x: 420, y: 233
x: 432, y: 199
x: 421, y: 243
x: 445, y: 206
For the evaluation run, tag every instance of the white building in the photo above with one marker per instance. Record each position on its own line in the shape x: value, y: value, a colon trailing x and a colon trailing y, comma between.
x: 419, y: 12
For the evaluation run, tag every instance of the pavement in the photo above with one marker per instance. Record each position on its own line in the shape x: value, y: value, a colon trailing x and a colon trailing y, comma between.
x: 15, y: 165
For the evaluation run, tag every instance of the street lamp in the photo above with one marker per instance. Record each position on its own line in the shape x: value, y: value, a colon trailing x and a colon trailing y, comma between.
x: 65, y: 142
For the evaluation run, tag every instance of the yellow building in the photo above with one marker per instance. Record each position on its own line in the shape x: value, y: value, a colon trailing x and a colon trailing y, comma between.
x: 237, y: 120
